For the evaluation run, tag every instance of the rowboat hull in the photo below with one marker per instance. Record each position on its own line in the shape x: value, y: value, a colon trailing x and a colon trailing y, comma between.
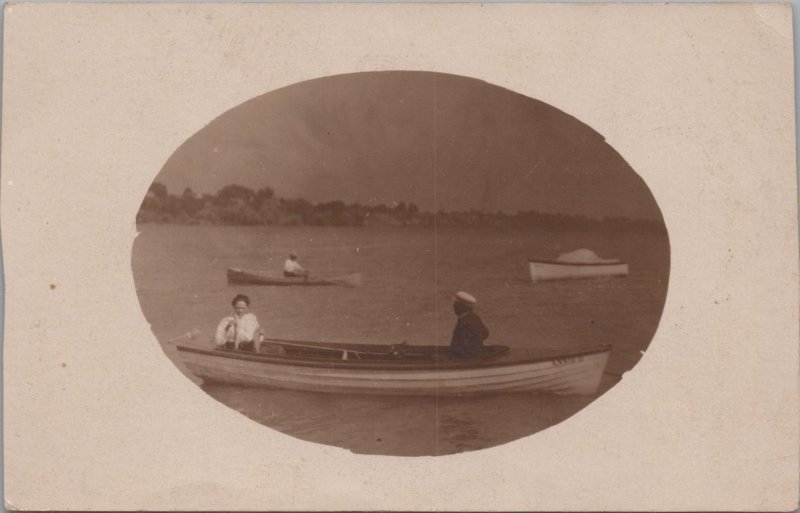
x: 572, y: 373
x: 551, y: 270
x: 240, y: 277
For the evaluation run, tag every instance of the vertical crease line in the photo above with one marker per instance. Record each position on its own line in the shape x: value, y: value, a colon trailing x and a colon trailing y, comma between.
x: 435, y: 257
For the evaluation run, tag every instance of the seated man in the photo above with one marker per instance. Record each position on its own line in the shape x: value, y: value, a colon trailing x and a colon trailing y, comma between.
x: 469, y: 333
x: 293, y: 269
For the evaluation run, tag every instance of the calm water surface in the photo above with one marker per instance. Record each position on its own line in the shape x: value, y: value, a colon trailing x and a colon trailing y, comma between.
x: 410, y: 275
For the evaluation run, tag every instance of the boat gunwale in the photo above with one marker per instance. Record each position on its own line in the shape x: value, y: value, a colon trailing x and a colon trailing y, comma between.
x: 397, y: 367
x: 578, y: 264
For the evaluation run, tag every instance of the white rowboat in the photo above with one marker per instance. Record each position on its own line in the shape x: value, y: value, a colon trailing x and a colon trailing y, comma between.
x: 397, y: 370
x: 552, y: 270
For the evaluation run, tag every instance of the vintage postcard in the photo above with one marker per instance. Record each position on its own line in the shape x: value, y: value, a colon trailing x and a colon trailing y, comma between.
x: 400, y: 257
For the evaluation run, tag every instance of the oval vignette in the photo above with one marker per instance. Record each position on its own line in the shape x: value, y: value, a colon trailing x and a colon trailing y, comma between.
x: 397, y: 190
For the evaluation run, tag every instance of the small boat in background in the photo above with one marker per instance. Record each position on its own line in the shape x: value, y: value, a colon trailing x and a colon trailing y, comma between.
x: 240, y: 277
x: 396, y: 369
x: 582, y: 263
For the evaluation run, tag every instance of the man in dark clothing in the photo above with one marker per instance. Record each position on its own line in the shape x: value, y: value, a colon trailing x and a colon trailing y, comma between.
x: 469, y: 333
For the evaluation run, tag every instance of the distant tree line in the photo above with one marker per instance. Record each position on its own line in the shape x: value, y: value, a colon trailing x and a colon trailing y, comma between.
x: 238, y: 205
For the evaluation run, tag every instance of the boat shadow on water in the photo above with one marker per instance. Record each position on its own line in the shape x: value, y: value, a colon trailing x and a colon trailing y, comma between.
x: 401, y: 400
x: 403, y: 425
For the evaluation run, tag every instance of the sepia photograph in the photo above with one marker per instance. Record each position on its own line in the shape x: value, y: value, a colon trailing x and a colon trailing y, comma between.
x: 399, y: 257
x: 402, y: 263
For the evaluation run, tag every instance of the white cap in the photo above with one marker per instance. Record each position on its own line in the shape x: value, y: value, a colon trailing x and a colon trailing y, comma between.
x: 463, y: 297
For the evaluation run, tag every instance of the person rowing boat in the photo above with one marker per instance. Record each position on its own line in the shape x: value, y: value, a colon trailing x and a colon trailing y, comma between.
x: 292, y: 268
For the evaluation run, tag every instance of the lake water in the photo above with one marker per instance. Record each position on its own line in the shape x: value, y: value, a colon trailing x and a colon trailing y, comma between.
x: 410, y: 275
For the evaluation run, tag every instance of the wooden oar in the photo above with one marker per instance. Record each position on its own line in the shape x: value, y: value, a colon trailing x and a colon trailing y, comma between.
x: 343, y: 351
x: 350, y: 280
x: 190, y: 335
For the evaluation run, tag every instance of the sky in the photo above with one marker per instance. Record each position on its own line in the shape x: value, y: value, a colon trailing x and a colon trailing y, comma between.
x: 443, y: 142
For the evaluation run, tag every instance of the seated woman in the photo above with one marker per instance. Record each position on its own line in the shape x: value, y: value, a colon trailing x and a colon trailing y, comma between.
x: 241, y: 330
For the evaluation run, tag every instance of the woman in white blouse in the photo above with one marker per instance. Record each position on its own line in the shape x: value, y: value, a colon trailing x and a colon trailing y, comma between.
x: 241, y: 330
